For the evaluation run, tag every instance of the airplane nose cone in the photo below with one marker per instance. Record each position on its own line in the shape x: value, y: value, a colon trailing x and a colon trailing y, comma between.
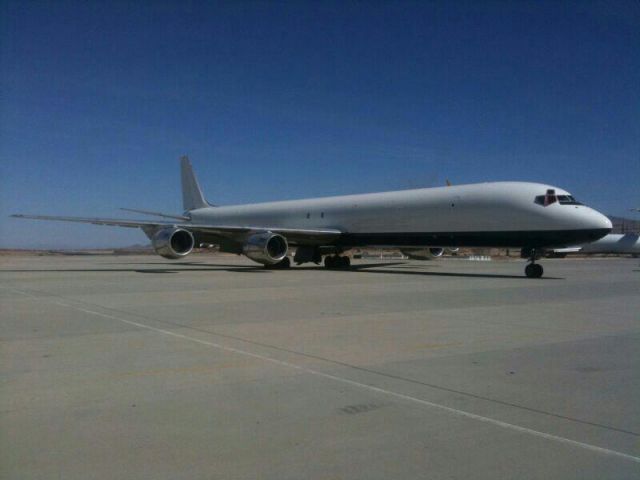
x: 605, y: 222
x: 599, y: 225
x: 597, y: 220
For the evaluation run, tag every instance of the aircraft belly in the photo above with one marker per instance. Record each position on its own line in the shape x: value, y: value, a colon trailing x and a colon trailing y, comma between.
x: 510, y: 238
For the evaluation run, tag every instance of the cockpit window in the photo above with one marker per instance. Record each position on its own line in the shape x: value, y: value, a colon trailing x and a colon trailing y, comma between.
x: 567, y: 200
x: 550, y: 198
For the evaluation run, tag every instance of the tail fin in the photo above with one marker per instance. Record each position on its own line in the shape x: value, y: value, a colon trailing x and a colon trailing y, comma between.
x: 192, y: 197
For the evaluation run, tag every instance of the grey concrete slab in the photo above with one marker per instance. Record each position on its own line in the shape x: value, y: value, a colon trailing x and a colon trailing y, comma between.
x: 138, y: 367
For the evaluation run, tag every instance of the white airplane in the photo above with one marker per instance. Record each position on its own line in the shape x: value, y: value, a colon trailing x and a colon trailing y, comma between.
x: 628, y: 243
x: 530, y: 216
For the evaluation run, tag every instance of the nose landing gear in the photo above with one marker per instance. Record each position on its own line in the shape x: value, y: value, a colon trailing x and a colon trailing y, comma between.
x: 533, y: 269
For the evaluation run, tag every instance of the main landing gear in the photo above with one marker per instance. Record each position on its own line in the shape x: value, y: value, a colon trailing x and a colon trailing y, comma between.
x: 336, y: 261
x: 533, y: 269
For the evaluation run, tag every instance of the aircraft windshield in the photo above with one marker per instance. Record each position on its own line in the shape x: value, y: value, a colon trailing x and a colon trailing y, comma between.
x: 567, y: 200
x: 551, y: 197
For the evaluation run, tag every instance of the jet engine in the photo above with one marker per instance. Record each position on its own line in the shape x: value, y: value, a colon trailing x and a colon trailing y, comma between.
x: 266, y: 248
x: 423, y: 253
x: 172, y: 242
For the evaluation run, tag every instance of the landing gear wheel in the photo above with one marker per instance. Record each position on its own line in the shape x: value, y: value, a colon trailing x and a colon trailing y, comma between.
x: 539, y: 270
x: 334, y: 261
x: 329, y: 262
x: 533, y: 270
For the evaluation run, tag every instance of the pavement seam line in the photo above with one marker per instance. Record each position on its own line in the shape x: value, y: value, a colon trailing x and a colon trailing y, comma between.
x: 170, y: 324
x: 409, y: 398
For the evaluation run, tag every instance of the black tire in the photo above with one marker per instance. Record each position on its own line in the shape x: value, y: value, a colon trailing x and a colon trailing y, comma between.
x: 345, y: 262
x: 533, y: 270
x: 539, y: 270
x: 329, y: 262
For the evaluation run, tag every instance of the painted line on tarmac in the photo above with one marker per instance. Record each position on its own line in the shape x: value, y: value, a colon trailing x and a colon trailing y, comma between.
x: 409, y: 398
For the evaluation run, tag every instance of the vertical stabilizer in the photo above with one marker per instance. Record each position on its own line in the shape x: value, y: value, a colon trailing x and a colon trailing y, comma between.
x: 192, y: 197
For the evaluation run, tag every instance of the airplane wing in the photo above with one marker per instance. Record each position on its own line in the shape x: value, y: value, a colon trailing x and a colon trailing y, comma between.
x: 96, y: 221
x: 157, y: 214
x: 230, y: 231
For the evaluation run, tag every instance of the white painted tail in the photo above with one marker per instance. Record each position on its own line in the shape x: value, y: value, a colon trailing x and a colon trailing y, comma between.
x: 192, y: 196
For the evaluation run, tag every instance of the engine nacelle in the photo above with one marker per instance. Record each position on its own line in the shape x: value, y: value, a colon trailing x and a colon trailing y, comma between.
x: 266, y: 248
x: 172, y: 242
x: 423, y: 253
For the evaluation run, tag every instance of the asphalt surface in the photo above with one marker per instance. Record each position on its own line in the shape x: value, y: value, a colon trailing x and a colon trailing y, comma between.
x: 139, y: 367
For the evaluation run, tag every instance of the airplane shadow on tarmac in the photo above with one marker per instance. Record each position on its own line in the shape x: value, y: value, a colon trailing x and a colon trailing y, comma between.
x: 216, y: 268
x: 383, y: 268
x: 367, y: 268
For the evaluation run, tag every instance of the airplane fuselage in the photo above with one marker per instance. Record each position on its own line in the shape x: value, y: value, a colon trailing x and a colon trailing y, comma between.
x: 500, y: 214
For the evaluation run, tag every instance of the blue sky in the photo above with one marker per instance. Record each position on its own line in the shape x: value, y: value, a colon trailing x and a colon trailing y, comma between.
x: 280, y: 100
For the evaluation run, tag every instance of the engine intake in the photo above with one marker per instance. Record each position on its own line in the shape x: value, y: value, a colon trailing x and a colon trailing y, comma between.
x: 266, y: 248
x: 173, y: 242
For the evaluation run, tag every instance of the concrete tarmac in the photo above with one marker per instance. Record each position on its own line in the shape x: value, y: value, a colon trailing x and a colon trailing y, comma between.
x: 212, y: 367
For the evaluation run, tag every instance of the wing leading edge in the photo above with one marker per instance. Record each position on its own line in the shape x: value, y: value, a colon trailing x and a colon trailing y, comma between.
x: 230, y: 231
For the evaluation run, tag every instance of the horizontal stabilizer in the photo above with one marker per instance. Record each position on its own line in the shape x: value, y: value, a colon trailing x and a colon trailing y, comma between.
x: 238, y: 232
